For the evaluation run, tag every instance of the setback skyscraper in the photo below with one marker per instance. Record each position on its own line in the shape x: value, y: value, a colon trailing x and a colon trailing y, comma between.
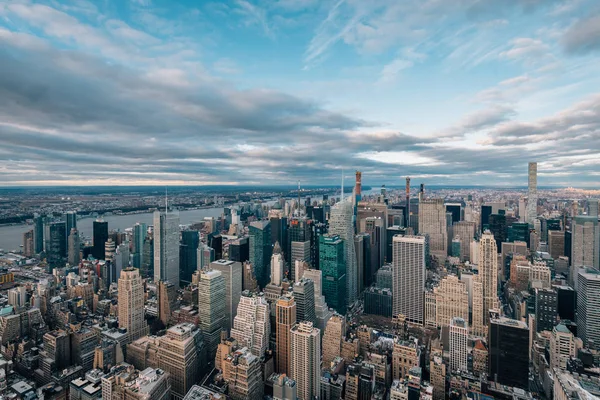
x: 131, y: 304
x: 285, y: 317
x: 306, y: 360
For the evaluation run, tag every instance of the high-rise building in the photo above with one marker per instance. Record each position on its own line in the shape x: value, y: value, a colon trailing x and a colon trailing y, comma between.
x: 340, y: 224
x: 588, y: 306
x: 243, y: 373
x: 488, y: 271
x: 17, y: 297
x: 211, y: 309
x: 405, y: 355
x: 206, y: 255
x: 55, y: 243
x: 532, y: 196
x: 284, y: 388
x: 306, y: 360
x: 432, y: 222
x: 239, y: 250
x: 251, y: 325
x: 38, y: 234
x: 71, y: 221
x: 459, y: 334
x: 509, y: 352
x: 480, y: 358
x: 409, y: 277
x: 232, y: 274
x: 335, y: 331
x: 74, y: 257
x: 546, y: 309
x: 304, y: 294
x: 556, y: 243
x: 332, y: 264
x: 498, y: 228
x: 166, y: 247
x: 131, y: 304
x: 563, y: 346
x: 451, y: 300
x: 181, y: 353
x: 285, y: 317
x: 260, y: 250
x: 140, y: 231
x: 298, y: 246
x: 465, y: 231
x: 100, y: 236
x: 277, y: 265
x: 585, y: 246
x: 322, y: 311
x: 188, y: 255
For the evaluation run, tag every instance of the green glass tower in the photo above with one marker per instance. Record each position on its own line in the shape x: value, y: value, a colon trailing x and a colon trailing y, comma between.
x: 260, y: 250
x: 331, y: 262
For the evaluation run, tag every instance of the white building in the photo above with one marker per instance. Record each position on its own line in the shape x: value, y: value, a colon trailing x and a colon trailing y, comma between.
x: 306, y: 360
x: 488, y: 271
x: 459, y: 334
x: 408, y: 276
x: 251, y: 325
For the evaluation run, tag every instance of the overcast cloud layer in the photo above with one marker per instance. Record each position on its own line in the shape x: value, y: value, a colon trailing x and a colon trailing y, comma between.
x: 271, y: 92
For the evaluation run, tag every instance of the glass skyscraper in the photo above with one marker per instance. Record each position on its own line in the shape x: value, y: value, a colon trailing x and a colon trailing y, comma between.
x: 188, y: 255
x: 331, y: 262
x: 166, y: 247
x: 260, y: 250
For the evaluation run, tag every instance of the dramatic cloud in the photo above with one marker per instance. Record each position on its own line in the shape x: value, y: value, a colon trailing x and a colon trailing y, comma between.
x: 583, y: 36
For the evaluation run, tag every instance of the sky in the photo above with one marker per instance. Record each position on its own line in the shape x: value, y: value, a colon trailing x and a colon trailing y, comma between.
x: 257, y: 92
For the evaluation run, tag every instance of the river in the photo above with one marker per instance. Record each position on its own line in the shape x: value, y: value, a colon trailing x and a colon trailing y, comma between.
x: 11, y: 236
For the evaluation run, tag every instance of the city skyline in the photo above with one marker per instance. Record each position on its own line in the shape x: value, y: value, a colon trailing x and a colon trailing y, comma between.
x: 255, y: 92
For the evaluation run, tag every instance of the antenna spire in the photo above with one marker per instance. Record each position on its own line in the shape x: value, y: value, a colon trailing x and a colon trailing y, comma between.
x: 166, y: 200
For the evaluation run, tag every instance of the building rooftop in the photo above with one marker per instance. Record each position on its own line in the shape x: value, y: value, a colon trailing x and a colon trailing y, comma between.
x: 510, y: 322
x: 562, y: 328
x: 202, y: 393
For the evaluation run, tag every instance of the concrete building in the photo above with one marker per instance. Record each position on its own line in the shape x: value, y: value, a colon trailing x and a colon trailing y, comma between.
x: 74, y: 251
x: 465, y: 231
x: 405, y: 355
x: 277, y: 265
x: 437, y: 373
x: 480, y: 358
x: 532, y: 196
x: 451, y: 300
x: 285, y: 317
x: 585, y: 245
x: 251, y: 325
x: 556, y: 243
x: 488, y: 271
x: 243, y: 374
x: 212, y: 306
x: 306, y: 360
x: 131, y: 304
x: 232, y: 274
x: 17, y: 297
x: 588, y: 306
x: 432, y: 222
x: 459, y: 334
x: 166, y: 247
x: 332, y: 338
x: 284, y: 388
x: 563, y: 346
x: 409, y: 277
x: 322, y: 311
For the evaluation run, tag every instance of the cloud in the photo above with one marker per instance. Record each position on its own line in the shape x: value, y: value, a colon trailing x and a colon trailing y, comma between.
x: 583, y: 36
x: 255, y: 16
x: 527, y: 50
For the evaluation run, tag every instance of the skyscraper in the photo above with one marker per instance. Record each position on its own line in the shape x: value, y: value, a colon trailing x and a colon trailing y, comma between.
x: 131, y: 304
x: 331, y: 262
x: 277, y: 265
x: 188, y: 255
x: 73, y: 257
x: 100, y: 233
x: 211, y: 309
x: 251, y: 326
x: 38, y: 234
x: 509, y: 352
x: 298, y: 247
x: 340, y: 223
x: 459, y: 334
x: 488, y: 271
x: 465, y: 231
x: 260, y: 250
x: 55, y: 243
x: 306, y: 360
x: 588, y: 305
x: 432, y: 222
x: 285, y: 317
x: 166, y: 247
x: 532, y: 194
x: 409, y: 277
x: 585, y: 246
x: 71, y: 221
x: 304, y: 294
x: 139, y: 236
x: 332, y: 338
x: 232, y: 274
x: 322, y: 311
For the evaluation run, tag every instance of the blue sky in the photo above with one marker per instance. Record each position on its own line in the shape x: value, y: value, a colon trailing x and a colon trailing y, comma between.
x: 271, y: 92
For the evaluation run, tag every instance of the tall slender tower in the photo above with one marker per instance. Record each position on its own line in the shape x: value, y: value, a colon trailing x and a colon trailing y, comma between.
x: 166, y: 247
x: 306, y: 360
x: 488, y: 270
x: 211, y: 309
x: 285, y: 317
x: 340, y: 223
x: 131, y: 304
x: 407, y: 216
x: 408, y: 282
x: 532, y: 194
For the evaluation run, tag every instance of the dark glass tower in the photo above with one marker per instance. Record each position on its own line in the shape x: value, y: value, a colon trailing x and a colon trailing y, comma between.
x: 55, y: 243
x: 38, y: 234
x: 260, y: 251
x: 486, y: 211
x: 188, y: 255
x: 331, y: 262
x: 519, y: 232
x: 100, y: 236
x: 239, y: 250
x: 509, y: 352
x: 497, y: 225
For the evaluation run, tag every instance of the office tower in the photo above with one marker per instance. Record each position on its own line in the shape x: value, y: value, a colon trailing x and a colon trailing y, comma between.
x: 212, y: 309
x: 279, y: 226
x: 206, y: 255
x: 285, y: 318
x: 358, y: 187
x: 459, y: 334
x: 124, y: 382
x: 479, y: 325
x: 360, y: 381
x: 456, y: 210
x: 28, y: 249
x: 17, y: 297
x: 239, y: 250
x: 131, y: 304
x: 488, y: 270
x: 588, y: 304
x: 167, y: 301
x: 140, y: 231
x: 532, y: 196
x: 546, y: 309
x: 451, y: 299
x: 455, y: 248
x: 437, y: 371
x: 563, y: 347
x: 298, y: 246
x: 188, y: 255
x: 306, y: 359
x: 251, y: 325
x: 509, y: 352
x: 215, y: 241
x: 166, y: 247
x: 585, y: 242
x: 409, y: 277
x: 335, y: 331
x: 332, y: 264
x: 248, y: 279
x: 277, y: 265
x: 432, y: 222
x: 57, y: 346
x: 100, y: 236
x: 232, y: 274
x: 340, y: 224
x: 359, y: 249
x: 260, y: 250
x: 391, y: 232
x: 284, y: 388
x: 518, y: 232
x: 109, y: 250
x: 38, y: 234
x: 181, y: 353
x: 74, y: 248
x: 556, y: 243
x: 407, y: 214
x: 322, y: 311
x: 55, y: 243
x: 565, y: 302
x: 71, y: 221
x: 593, y: 208
x: 480, y: 358
x: 486, y: 211
x: 304, y: 294
x: 405, y: 355
x: 243, y: 373
x: 497, y: 226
